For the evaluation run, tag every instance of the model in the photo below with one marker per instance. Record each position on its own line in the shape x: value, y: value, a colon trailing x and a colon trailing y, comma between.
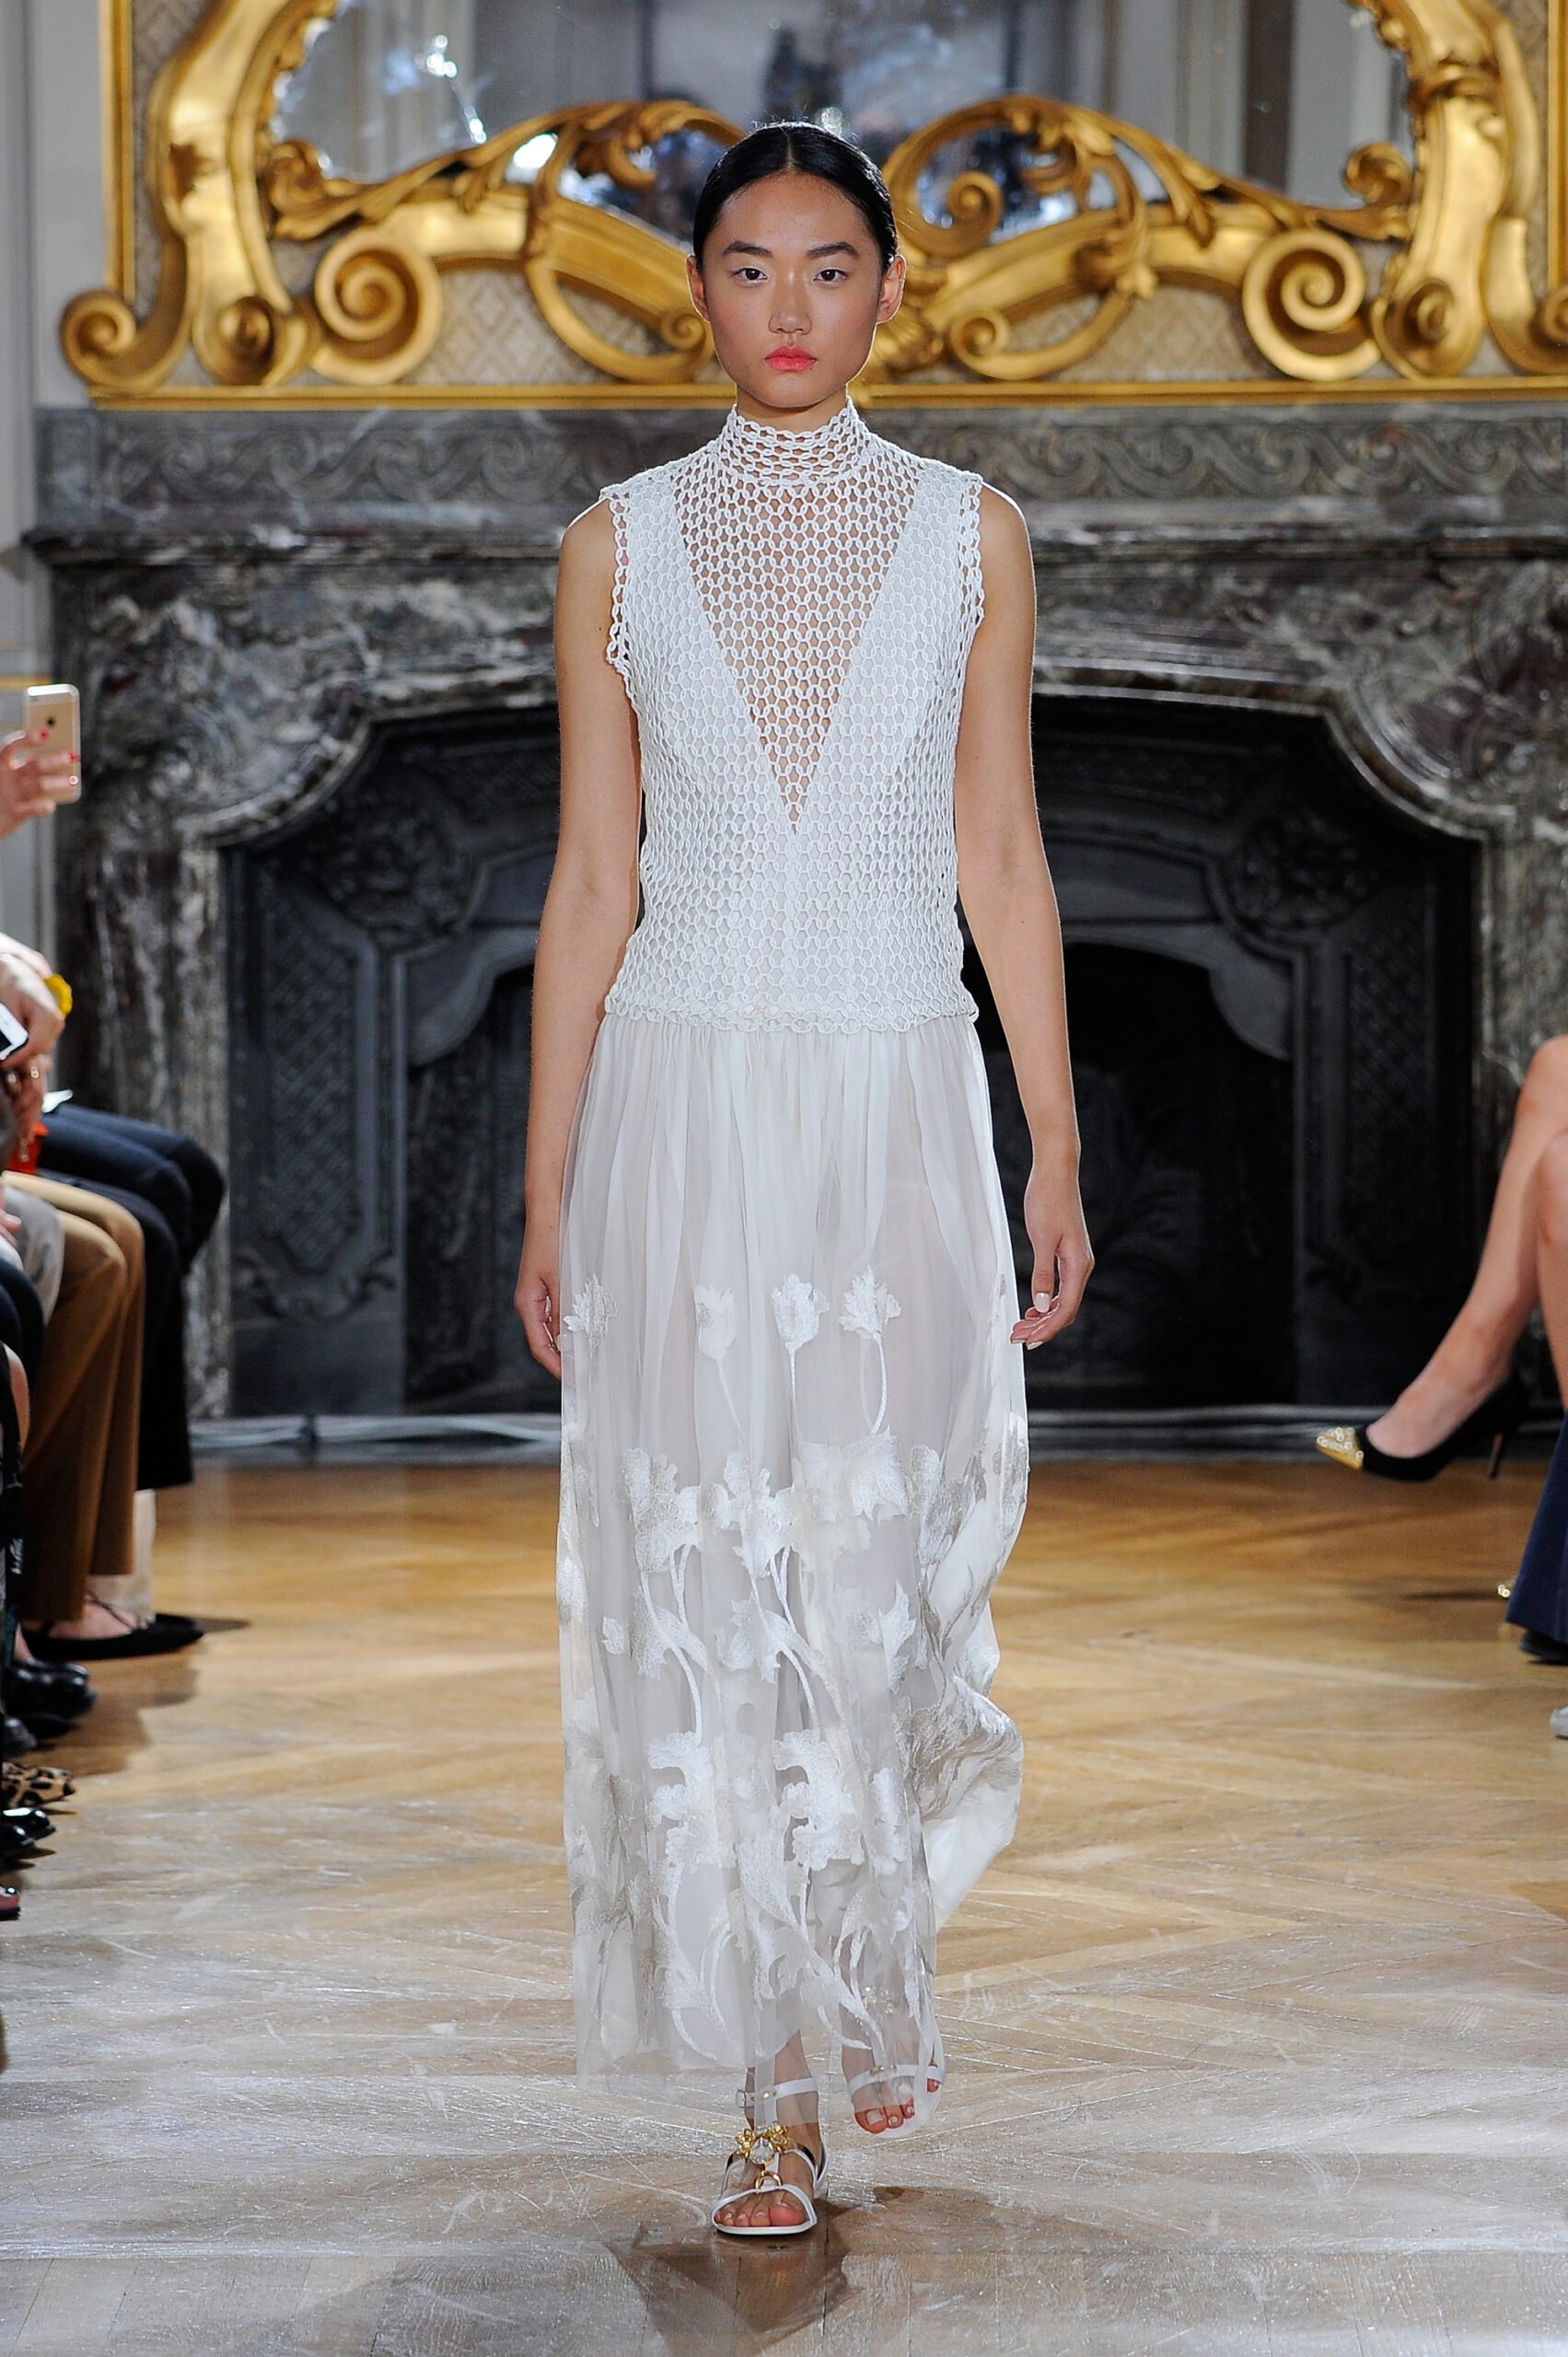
x: 765, y: 1244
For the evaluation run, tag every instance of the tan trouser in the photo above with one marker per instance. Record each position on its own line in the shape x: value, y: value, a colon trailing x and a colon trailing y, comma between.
x: 79, y: 1465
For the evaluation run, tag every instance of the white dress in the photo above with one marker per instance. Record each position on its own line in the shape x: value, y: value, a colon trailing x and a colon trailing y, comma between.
x: 793, y: 1443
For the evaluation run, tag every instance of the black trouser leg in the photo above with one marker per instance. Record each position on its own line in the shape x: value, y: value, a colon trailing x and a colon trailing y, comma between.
x: 176, y: 1174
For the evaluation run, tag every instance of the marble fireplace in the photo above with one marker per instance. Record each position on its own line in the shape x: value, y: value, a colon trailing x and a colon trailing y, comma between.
x: 1304, y: 775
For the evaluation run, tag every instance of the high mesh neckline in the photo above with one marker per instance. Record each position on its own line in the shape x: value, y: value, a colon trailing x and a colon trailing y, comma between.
x: 790, y: 533
x: 793, y: 454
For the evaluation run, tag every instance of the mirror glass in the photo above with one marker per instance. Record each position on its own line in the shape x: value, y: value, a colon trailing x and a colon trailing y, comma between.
x: 1278, y: 90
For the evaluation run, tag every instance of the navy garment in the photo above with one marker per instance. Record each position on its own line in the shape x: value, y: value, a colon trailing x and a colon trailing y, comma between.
x: 1539, y: 1600
x: 179, y: 1178
x: 173, y: 1189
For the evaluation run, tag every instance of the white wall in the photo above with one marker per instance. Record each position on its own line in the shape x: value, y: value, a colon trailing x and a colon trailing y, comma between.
x: 51, y: 246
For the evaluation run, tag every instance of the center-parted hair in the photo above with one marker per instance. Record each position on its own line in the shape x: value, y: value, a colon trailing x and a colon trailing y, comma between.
x: 798, y: 147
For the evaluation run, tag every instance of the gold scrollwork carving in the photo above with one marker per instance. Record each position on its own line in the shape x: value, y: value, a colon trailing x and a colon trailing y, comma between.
x: 1414, y: 274
x: 1289, y: 265
x: 1304, y: 300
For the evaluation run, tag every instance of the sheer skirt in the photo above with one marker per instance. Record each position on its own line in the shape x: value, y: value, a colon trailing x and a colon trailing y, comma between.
x: 794, y: 1460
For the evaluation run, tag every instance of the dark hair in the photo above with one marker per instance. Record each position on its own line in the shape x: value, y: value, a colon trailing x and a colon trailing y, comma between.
x: 798, y: 147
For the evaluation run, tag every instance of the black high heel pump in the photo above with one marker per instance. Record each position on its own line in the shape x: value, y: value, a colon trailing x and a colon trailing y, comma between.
x: 1498, y: 1418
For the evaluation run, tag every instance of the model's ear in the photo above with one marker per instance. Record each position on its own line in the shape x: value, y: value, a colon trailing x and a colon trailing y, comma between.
x: 694, y: 286
x: 892, y: 293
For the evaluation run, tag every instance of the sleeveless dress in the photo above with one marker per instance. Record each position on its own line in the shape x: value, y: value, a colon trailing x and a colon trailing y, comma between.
x: 793, y: 1445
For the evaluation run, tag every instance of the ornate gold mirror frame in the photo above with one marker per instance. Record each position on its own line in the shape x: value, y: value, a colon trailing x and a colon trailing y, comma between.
x: 1425, y: 277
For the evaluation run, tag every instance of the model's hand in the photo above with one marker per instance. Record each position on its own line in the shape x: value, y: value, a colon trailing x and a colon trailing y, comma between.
x: 1055, y: 1217
x: 538, y: 1297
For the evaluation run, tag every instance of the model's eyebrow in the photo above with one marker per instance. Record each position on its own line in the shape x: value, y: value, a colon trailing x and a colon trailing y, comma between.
x: 814, y: 253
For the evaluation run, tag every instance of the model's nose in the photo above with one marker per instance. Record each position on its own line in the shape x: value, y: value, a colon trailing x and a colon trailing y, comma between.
x: 791, y: 314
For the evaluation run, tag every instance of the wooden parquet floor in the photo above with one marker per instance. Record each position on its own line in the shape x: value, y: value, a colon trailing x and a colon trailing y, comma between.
x: 1256, y: 2033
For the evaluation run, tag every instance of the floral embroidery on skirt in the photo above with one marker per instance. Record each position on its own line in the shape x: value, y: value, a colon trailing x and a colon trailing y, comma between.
x: 794, y: 1460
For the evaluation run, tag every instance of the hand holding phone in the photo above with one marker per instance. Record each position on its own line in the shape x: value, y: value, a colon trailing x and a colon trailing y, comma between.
x: 40, y: 765
x: 32, y: 1006
x: 51, y: 719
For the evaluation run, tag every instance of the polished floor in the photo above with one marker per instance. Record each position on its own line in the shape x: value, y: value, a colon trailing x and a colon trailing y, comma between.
x: 1257, y: 2032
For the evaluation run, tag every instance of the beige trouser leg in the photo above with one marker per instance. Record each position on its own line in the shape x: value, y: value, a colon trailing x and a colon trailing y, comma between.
x: 79, y: 1466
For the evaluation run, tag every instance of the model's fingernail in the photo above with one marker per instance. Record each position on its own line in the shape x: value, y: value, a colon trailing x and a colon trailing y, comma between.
x: 1043, y: 1301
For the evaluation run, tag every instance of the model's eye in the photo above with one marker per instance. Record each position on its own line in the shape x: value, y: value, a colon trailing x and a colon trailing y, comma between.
x: 748, y: 269
x: 832, y: 274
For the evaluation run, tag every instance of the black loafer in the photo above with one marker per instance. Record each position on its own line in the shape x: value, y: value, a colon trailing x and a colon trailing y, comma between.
x: 58, y: 1690
x: 16, y: 1738
x: 63, y: 1673
x: 26, y: 1824
x: 1539, y: 1646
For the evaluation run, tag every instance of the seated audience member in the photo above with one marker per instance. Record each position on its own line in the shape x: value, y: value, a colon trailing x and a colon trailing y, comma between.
x: 90, y: 1165
x: 23, y: 1823
x: 1466, y: 1389
x: 36, y: 1701
x: 79, y: 1464
x: 1537, y: 1602
x: 26, y: 1792
x: 172, y: 1188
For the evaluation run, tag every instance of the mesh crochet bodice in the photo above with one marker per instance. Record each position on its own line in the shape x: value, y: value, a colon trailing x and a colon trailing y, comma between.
x: 792, y: 616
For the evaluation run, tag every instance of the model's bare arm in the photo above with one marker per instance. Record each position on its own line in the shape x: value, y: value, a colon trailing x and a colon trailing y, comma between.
x: 590, y: 909
x: 1010, y: 906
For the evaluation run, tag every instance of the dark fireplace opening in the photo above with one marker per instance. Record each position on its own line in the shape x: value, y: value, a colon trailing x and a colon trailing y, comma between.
x: 467, y: 1130
x: 1269, y: 980
x: 1268, y: 990
x: 1187, y: 1162
x: 379, y: 1000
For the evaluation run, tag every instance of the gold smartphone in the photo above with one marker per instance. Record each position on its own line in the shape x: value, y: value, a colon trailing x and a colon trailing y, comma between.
x: 52, y: 717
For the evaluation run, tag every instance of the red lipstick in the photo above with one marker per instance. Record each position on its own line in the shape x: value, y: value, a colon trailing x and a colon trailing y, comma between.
x: 790, y: 355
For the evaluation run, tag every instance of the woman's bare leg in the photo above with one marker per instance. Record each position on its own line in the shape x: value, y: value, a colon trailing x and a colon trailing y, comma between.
x: 1473, y: 1355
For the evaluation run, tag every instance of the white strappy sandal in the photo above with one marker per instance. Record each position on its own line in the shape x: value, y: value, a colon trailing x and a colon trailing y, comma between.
x: 763, y: 2149
x: 888, y: 2079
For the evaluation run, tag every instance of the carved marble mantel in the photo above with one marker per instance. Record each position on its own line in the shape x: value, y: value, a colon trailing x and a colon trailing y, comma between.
x: 243, y: 596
